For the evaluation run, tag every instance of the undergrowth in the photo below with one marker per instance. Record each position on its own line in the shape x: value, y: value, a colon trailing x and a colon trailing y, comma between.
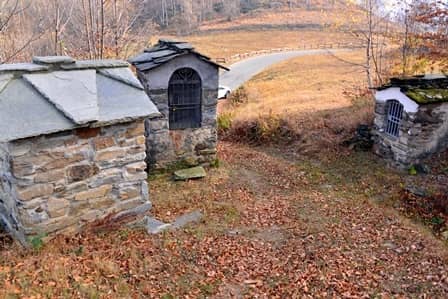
x: 327, y: 128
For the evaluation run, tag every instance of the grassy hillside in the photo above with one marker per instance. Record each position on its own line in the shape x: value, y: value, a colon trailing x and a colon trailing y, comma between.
x: 339, y: 15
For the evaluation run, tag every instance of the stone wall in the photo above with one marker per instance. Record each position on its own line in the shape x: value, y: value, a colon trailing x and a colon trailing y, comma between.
x: 421, y: 134
x: 62, y: 181
x: 8, y: 205
x: 188, y: 146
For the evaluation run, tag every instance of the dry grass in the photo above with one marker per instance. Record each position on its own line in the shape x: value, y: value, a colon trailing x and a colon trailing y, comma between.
x: 304, y: 84
x: 315, y: 100
x: 337, y: 16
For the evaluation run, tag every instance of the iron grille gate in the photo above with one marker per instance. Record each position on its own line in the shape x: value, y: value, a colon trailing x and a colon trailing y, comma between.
x: 394, y: 117
x: 185, y: 93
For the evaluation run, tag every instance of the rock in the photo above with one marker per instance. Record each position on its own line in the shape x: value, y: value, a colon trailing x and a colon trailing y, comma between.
x: 362, y: 141
x: 101, y: 143
x: 81, y: 172
x: 154, y: 226
x: 416, y: 190
x: 186, y: 219
x: 94, y: 193
x: 390, y: 245
x: 191, y: 173
x: 445, y: 235
x: 57, y: 207
x: 422, y: 168
x: 49, y: 176
x: 35, y: 191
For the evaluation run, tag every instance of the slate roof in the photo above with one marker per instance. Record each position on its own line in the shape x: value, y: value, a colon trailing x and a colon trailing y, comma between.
x: 55, y: 94
x: 425, y: 89
x: 165, y: 51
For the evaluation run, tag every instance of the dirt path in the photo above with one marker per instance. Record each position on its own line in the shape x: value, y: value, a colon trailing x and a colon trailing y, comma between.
x: 274, y: 228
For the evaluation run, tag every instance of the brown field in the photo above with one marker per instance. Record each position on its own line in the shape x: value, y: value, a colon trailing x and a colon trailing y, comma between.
x: 336, y: 17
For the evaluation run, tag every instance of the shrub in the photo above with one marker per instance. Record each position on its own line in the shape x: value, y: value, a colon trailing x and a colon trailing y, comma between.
x: 224, y: 121
x: 239, y: 96
x: 310, y: 132
x: 263, y: 129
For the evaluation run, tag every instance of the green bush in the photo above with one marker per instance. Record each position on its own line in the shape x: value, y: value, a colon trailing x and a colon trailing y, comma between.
x: 224, y: 121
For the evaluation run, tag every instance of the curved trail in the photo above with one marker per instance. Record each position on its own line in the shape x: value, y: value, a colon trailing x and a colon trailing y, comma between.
x: 244, y: 70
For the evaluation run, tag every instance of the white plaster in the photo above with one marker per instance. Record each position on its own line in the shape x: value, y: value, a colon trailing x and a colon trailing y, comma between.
x: 394, y: 93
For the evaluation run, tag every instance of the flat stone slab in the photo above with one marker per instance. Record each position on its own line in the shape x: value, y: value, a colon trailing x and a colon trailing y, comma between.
x: 190, y: 173
x: 186, y: 219
x: 74, y: 93
x: 53, y: 59
x: 154, y: 226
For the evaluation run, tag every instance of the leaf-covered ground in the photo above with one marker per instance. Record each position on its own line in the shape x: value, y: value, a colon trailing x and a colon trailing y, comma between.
x: 276, y: 225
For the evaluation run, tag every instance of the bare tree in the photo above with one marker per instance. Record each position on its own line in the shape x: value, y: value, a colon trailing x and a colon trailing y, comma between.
x: 18, y: 29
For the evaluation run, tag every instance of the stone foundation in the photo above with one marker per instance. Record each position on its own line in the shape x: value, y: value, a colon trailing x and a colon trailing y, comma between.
x: 192, y: 147
x: 59, y: 182
x: 421, y: 134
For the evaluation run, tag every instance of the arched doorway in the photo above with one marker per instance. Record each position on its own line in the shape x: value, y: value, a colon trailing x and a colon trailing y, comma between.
x: 185, y: 99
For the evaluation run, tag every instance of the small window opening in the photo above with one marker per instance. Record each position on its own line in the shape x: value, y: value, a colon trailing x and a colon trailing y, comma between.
x: 184, y: 94
x: 394, y: 117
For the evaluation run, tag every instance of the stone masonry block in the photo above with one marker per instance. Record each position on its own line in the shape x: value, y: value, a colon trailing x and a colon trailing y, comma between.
x: 94, y: 193
x: 35, y: 191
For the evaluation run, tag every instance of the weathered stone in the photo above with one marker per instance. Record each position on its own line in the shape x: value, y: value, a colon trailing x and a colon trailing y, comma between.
x: 154, y: 226
x: 54, y: 225
x: 94, y: 193
x: 20, y: 149
x: 207, y: 152
x: 138, y: 130
x: 87, y: 133
x: 129, y: 204
x: 49, y: 176
x: 136, y: 167
x: 57, y: 207
x: 110, y: 155
x: 138, y: 210
x: 139, y: 176
x: 101, y: 143
x: 92, y: 215
x: 35, y: 191
x: 62, y: 163
x: 20, y: 169
x: 78, y: 208
x: 140, y: 140
x: 191, y: 161
x: 107, y: 176
x: 191, y: 173
x: 101, y: 203
x: 129, y: 192
x: 445, y: 235
x: 81, y: 172
x: 145, y: 191
x: 186, y: 219
x: 76, y: 187
x: 31, y: 217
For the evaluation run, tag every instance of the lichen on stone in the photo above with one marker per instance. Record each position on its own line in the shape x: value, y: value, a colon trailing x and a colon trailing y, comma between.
x: 428, y: 96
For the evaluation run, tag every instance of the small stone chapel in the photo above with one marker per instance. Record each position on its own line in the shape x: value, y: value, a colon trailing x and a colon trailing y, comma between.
x: 411, y: 119
x: 72, y: 144
x: 183, y: 84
